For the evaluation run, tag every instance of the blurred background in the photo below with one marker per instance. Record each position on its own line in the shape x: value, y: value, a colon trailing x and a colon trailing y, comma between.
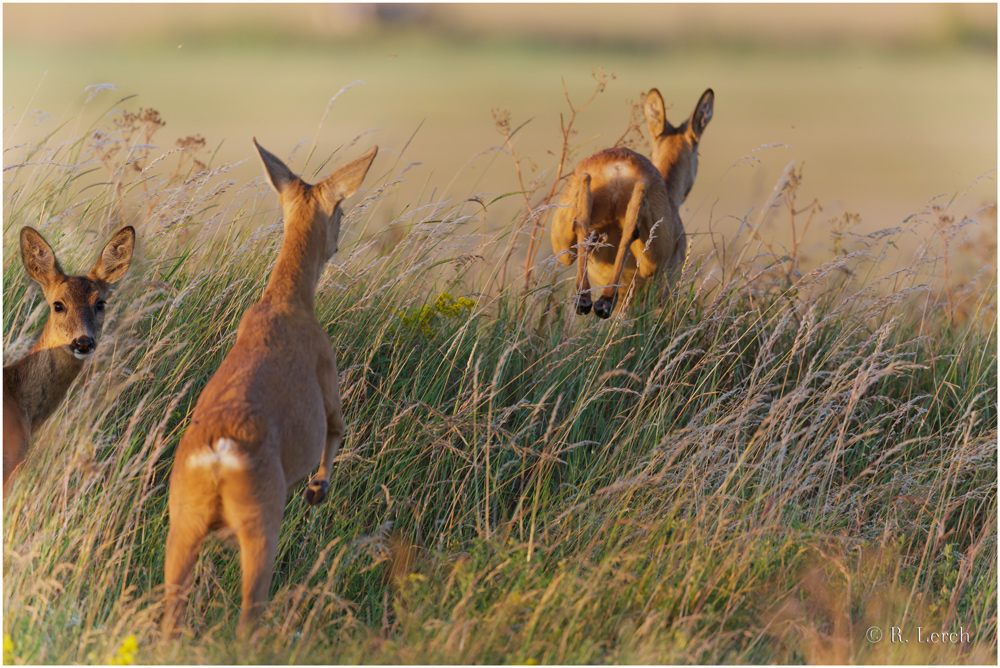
x: 886, y: 108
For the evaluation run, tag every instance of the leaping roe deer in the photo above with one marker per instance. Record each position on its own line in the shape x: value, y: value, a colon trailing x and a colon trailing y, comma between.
x: 272, y: 410
x: 632, y: 203
x: 35, y: 385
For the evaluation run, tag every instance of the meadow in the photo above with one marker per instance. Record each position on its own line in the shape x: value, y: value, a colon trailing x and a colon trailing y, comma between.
x: 794, y: 449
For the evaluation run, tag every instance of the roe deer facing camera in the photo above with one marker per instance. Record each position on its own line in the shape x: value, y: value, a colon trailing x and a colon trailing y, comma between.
x: 34, y: 386
x: 621, y: 196
x: 272, y: 410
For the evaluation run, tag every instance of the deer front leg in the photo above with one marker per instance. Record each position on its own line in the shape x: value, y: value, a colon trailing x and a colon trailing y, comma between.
x: 650, y: 250
x: 675, y: 263
x: 646, y: 261
x: 659, y: 244
x: 609, y: 297
x: 16, y: 434
x: 335, y: 428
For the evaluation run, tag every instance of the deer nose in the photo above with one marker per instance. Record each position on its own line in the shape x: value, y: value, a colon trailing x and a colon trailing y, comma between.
x: 83, y: 345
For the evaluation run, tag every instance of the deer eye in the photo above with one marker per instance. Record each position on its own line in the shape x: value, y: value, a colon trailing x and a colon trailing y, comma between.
x: 58, y: 307
x: 99, y: 305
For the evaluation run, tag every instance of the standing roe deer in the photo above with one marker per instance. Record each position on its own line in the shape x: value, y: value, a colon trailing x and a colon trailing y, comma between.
x: 621, y: 195
x: 34, y: 386
x: 271, y: 411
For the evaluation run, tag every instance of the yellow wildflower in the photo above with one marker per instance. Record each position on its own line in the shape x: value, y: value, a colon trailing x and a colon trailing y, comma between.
x: 126, y: 652
x: 444, y: 305
x: 449, y: 307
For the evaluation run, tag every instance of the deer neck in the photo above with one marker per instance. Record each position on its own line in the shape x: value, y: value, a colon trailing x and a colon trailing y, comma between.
x: 297, y: 269
x: 41, y: 378
x: 673, y: 163
x: 678, y: 185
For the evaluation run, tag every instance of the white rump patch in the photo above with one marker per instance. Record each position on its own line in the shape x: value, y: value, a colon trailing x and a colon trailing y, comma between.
x: 223, y: 455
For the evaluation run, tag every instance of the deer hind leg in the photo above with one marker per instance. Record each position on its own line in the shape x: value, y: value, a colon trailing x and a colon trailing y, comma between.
x: 258, y: 549
x: 253, y: 506
x: 606, y: 304
x: 674, y: 265
x: 189, y: 525
x: 335, y: 428
x: 581, y: 225
x: 563, y: 233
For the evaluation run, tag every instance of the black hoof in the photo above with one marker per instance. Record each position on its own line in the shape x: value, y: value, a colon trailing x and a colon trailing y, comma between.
x: 604, y: 307
x: 315, y: 492
x: 583, y: 304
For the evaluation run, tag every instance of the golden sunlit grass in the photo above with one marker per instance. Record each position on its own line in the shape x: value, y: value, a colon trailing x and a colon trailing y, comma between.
x: 760, y: 470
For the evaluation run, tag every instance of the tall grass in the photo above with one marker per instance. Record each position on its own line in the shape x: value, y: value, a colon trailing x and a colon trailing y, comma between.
x: 758, y: 470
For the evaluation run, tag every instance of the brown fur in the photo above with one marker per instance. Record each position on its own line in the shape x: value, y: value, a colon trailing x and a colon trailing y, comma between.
x: 618, y: 196
x: 34, y: 386
x: 272, y: 410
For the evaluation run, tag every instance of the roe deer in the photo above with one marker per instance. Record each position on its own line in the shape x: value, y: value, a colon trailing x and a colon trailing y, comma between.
x: 272, y: 410
x: 621, y: 195
x: 34, y: 386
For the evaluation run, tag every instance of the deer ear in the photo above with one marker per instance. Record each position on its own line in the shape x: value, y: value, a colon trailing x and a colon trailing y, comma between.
x: 39, y: 260
x: 278, y: 174
x: 116, y: 257
x: 656, y: 115
x: 702, y: 113
x: 346, y: 180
